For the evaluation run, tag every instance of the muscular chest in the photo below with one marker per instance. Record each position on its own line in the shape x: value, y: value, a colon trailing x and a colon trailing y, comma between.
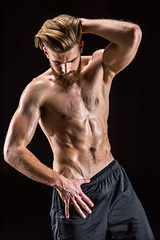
x: 76, y: 103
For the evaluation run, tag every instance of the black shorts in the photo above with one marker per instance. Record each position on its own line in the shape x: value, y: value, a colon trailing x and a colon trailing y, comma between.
x: 117, y: 212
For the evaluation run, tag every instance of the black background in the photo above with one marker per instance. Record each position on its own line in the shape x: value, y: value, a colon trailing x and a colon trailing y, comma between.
x: 134, y: 107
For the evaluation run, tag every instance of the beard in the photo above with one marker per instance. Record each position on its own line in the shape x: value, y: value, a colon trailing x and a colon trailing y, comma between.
x: 66, y: 81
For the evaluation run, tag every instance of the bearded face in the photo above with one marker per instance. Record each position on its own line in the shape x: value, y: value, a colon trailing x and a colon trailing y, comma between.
x: 66, y: 66
x: 66, y: 80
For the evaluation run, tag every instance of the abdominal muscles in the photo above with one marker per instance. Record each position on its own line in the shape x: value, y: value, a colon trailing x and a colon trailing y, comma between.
x: 82, y: 149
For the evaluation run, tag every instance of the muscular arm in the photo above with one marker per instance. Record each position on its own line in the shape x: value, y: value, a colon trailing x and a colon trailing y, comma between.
x: 125, y: 38
x: 20, y: 133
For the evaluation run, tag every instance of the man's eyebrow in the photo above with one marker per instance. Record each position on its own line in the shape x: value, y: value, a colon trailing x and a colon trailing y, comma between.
x: 73, y: 59
x: 55, y: 61
x: 67, y: 61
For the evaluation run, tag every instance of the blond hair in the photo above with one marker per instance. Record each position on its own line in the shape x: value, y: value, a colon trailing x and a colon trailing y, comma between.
x: 59, y: 33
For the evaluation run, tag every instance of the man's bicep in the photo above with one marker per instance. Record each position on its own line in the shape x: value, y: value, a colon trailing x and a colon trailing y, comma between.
x: 117, y: 58
x: 23, y: 124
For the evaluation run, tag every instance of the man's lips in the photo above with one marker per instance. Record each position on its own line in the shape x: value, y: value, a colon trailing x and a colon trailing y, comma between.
x: 68, y: 74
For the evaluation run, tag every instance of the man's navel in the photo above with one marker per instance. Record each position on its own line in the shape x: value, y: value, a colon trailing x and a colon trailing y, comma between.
x: 92, y: 151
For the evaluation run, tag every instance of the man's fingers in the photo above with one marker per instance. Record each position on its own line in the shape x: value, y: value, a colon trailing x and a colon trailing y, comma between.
x: 83, y: 196
x: 75, y: 198
x: 67, y: 208
x: 87, y: 200
x: 84, y: 206
x: 78, y: 209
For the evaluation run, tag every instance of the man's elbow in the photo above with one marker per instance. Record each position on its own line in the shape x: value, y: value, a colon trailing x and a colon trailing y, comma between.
x: 137, y: 34
x: 10, y: 152
x: 7, y: 153
x: 133, y: 36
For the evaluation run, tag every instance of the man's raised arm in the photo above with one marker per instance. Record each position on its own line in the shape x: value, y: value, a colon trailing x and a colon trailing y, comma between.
x: 125, y: 38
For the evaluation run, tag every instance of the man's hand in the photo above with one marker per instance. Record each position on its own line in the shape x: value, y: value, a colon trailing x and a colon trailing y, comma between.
x: 83, y: 21
x: 71, y: 193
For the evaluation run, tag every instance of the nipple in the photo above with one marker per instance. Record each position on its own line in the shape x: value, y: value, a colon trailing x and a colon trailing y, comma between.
x: 97, y: 102
x: 65, y: 117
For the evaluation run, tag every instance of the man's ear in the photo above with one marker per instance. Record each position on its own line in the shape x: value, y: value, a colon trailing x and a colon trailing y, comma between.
x: 46, y: 52
x: 81, y: 46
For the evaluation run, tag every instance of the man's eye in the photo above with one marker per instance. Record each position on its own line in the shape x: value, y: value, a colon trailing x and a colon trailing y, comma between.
x: 57, y: 63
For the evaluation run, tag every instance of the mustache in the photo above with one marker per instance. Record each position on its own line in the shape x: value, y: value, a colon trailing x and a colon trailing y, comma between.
x: 64, y: 79
x: 67, y: 75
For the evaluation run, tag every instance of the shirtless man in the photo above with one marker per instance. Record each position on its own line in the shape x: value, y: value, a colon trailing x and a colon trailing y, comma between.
x: 70, y: 101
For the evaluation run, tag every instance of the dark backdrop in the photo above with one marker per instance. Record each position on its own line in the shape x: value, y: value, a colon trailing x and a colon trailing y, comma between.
x: 134, y: 104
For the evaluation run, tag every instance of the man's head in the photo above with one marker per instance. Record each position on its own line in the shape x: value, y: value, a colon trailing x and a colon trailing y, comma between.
x: 60, y: 39
x: 59, y: 33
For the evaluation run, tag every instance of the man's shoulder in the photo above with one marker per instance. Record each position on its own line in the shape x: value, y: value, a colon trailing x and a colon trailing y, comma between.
x: 93, y: 61
x: 95, y: 65
x: 40, y: 82
x: 98, y: 53
x: 37, y: 88
x: 42, y: 79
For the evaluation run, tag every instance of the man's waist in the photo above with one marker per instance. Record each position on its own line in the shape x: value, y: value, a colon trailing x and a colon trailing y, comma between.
x: 80, y: 165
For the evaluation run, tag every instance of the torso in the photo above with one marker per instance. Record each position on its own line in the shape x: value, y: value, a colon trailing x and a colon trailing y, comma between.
x: 75, y: 121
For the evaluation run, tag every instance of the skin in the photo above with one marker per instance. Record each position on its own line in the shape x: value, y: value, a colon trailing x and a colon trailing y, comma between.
x: 73, y: 118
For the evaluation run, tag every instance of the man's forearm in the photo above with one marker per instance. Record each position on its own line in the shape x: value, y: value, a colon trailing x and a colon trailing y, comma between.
x: 26, y: 163
x: 119, y: 32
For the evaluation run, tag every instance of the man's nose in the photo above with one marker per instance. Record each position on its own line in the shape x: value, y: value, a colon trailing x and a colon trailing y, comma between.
x: 65, y: 68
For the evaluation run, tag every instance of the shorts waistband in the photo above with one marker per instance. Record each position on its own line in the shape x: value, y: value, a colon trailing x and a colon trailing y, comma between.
x: 103, y: 173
